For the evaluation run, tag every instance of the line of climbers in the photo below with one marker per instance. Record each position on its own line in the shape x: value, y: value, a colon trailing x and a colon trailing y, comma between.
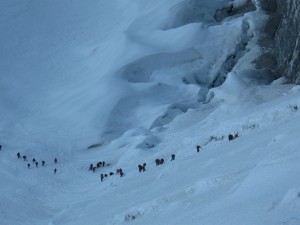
x: 142, y: 168
x: 34, y: 162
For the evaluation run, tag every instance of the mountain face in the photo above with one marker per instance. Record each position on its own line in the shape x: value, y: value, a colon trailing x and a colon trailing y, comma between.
x: 287, y: 39
x: 130, y: 82
x: 283, y: 30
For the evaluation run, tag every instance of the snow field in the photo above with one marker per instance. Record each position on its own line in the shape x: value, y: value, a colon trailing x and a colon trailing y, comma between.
x: 141, y: 80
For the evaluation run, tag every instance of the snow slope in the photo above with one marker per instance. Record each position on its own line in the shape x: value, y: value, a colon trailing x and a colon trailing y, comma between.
x: 129, y: 81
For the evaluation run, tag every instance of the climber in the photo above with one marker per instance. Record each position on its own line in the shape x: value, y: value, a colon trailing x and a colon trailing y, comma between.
x: 198, y: 148
x: 172, y: 157
x: 157, y: 162
x: 121, y: 173
x: 236, y: 135
x: 91, y: 167
x: 140, y: 168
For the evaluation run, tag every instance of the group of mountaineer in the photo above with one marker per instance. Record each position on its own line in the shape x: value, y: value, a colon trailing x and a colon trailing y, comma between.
x: 98, y: 165
x: 102, y: 164
x: 231, y: 137
x: 35, y: 162
x: 142, y: 167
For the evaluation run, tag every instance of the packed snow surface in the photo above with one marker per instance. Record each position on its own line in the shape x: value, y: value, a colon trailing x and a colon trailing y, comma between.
x: 131, y: 81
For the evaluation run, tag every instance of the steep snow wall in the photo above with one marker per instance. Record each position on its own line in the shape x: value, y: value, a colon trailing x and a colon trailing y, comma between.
x: 284, y: 30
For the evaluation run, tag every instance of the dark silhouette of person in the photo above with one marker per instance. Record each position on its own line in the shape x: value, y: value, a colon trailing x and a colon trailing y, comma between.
x: 36, y: 164
x: 24, y: 157
x: 111, y: 174
x: 157, y: 162
x: 94, y: 169
x: 121, y: 173
x: 33, y: 161
x: 55, y: 170
x: 0, y: 147
x: 91, y: 167
x: 198, y: 148
x: 140, y: 168
x: 172, y: 157
x: 28, y: 165
x: 162, y: 161
x: 103, y: 163
x: 101, y: 177
x: 18, y: 155
x: 55, y: 160
x: 43, y: 163
x: 144, y: 167
x: 230, y: 137
x: 236, y: 135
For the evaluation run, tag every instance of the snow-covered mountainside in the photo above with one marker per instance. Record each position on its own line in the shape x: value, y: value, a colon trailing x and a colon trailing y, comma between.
x: 131, y: 81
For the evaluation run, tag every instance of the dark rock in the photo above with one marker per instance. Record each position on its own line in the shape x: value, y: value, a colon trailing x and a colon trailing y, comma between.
x: 283, y: 29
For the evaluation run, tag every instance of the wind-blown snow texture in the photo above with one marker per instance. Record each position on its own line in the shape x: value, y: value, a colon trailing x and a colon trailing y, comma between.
x: 129, y: 81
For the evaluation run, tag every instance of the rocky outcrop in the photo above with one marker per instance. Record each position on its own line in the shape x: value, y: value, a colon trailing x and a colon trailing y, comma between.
x: 282, y: 37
